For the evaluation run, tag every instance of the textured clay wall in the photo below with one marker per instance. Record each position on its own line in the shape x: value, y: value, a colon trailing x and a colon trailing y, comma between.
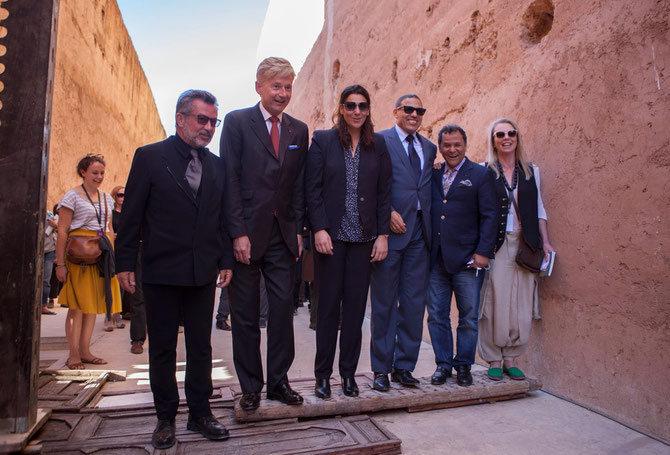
x: 102, y: 102
x: 586, y: 82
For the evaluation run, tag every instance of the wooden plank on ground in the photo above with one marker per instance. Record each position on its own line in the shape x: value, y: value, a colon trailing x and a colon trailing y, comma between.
x: 69, y: 393
x: 130, y: 433
x: 398, y: 397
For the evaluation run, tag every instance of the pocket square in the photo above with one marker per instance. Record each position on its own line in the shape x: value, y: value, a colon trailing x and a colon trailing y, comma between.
x: 464, y: 183
x: 292, y: 147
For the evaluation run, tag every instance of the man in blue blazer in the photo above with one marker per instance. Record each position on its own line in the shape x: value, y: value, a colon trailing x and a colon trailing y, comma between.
x: 399, y: 283
x: 464, y: 218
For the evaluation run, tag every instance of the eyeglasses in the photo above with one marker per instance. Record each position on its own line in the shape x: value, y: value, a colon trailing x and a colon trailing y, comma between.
x: 501, y: 134
x: 120, y: 194
x: 409, y: 109
x: 351, y: 106
x: 203, y: 119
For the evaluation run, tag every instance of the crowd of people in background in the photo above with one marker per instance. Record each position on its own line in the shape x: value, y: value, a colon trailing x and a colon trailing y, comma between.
x: 277, y: 219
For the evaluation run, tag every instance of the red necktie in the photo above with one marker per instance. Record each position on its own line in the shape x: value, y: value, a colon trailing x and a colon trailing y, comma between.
x: 274, y: 134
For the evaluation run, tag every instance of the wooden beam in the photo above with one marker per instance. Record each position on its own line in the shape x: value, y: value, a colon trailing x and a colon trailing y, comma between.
x: 27, y: 50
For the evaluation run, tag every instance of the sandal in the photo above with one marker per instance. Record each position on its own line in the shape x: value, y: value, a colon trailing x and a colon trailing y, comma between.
x: 119, y: 325
x: 75, y: 366
x: 95, y: 361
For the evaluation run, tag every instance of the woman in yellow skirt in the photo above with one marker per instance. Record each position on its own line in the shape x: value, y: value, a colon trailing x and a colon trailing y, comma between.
x: 85, y: 211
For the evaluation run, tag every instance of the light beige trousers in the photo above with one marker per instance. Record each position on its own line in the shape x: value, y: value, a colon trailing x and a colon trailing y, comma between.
x: 507, y: 305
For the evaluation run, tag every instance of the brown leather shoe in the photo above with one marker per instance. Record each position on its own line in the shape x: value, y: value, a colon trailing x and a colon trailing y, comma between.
x: 136, y: 347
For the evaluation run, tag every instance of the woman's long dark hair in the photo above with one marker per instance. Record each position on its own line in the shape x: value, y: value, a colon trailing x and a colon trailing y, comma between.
x: 367, y: 130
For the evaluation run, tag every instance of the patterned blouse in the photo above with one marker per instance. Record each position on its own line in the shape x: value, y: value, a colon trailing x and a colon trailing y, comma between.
x: 351, y: 228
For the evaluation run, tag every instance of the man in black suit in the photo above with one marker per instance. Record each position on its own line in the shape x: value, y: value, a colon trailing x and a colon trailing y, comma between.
x: 174, y: 204
x: 265, y: 152
x: 464, y: 216
x: 398, y: 286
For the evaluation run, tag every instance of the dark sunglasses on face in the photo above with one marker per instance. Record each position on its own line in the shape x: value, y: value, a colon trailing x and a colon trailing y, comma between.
x: 501, y: 134
x: 409, y: 109
x: 120, y: 194
x: 351, y: 106
x: 203, y: 119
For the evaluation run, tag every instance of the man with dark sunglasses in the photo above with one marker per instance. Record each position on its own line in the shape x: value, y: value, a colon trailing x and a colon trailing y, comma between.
x: 399, y: 283
x: 174, y: 206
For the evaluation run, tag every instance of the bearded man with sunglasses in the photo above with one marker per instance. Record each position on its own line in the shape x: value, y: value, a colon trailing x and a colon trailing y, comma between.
x: 399, y: 283
x: 174, y: 205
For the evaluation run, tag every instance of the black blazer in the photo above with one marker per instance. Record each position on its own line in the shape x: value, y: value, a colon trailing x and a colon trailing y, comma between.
x: 326, y: 185
x: 463, y: 221
x: 259, y: 185
x: 185, y: 240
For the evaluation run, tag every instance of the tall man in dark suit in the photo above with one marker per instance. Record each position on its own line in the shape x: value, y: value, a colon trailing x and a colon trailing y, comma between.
x: 174, y: 204
x: 265, y: 152
x: 464, y: 218
x: 399, y: 283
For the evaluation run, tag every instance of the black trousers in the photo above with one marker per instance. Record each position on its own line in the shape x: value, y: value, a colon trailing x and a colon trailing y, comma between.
x: 344, y: 279
x: 165, y: 306
x: 278, y: 268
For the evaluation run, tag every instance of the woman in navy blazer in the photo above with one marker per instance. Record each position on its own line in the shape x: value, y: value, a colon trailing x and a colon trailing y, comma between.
x: 348, y: 192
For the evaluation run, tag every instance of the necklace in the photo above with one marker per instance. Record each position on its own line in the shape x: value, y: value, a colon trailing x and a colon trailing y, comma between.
x: 515, y: 177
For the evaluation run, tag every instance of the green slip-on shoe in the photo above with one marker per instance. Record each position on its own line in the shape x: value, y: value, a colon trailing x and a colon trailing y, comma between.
x: 495, y: 374
x: 514, y: 373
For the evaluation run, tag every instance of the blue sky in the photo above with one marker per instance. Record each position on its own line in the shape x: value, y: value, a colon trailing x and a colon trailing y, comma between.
x: 214, y: 45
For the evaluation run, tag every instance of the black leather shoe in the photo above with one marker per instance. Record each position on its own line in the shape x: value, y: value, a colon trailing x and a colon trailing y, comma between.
x: 223, y: 325
x: 381, y: 382
x: 322, y: 388
x: 349, y: 387
x: 285, y: 394
x: 250, y: 401
x: 404, y: 377
x: 440, y: 376
x: 163, y: 437
x: 208, y: 426
x: 463, y: 376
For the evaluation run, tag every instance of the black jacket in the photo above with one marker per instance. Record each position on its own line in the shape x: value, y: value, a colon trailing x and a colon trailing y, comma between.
x: 185, y: 240
x: 326, y: 185
x: 261, y: 186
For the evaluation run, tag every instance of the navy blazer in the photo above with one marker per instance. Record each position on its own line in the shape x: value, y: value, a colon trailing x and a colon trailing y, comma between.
x: 326, y: 185
x: 406, y: 191
x: 260, y: 185
x: 184, y: 239
x: 464, y: 221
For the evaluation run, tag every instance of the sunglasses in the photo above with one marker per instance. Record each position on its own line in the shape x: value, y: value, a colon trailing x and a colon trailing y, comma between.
x: 120, y: 194
x: 409, y: 109
x: 501, y: 134
x: 203, y: 119
x: 351, y: 106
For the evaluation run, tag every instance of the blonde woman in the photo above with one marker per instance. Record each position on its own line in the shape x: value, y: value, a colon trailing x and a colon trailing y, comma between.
x: 509, y: 294
x: 86, y: 211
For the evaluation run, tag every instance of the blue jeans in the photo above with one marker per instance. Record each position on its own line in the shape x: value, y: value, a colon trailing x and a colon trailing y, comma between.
x: 49, y: 259
x: 465, y: 286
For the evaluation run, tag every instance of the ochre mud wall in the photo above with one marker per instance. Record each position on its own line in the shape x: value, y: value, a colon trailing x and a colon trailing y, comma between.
x: 102, y: 102
x: 587, y: 83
